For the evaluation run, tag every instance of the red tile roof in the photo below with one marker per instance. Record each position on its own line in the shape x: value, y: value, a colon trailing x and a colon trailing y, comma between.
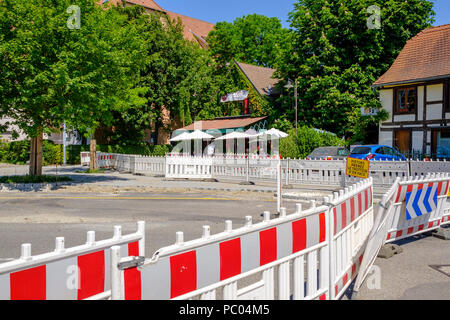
x: 261, y: 78
x: 193, y: 28
x: 150, y: 4
x: 222, y: 123
x: 424, y: 57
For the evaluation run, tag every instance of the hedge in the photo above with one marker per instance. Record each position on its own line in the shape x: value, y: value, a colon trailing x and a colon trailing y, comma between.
x: 18, y: 152
x: 306, y: 141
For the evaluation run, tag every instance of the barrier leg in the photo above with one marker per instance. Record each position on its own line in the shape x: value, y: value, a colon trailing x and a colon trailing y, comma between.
x: 116, y: 275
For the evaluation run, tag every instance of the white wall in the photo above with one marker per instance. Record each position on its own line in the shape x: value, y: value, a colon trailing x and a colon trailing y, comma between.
x: 420, y: 94
x: 385, y: 137
x: 417, y: 141
x: 386, y: 99
x: 435, y: 92
x: 434, y: 111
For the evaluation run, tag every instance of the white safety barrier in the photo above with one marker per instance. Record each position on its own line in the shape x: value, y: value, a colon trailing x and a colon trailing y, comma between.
x: 325, y: 172
x: 189, y: 167
x: 263, y: 168
x: 123, y: 163
x: 85, y: 158
x: 76, y: 273
x: 410, y: 207
x: 419, y: 168
x: 310, y: 254
x: 149, y: 165
x: 384, y: 173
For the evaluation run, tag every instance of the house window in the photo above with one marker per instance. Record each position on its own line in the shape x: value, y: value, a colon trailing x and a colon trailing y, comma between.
x: 406, y: 100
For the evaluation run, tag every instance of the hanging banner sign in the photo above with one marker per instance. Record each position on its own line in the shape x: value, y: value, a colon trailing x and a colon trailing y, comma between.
x: 358, y: 168
x: 369, y: 112
x: 235, y: 96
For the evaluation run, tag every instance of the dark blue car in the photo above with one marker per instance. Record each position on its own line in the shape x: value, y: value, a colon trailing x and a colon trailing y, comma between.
x: 376, y: 153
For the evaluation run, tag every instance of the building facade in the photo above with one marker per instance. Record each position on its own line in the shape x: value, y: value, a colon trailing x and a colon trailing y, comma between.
x: 415, y: 92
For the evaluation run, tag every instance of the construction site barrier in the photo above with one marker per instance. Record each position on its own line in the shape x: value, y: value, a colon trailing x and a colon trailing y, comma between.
x: 106, y: 160
x: 85, y: 158
x: 263, y: 168
x: 76, y: 273
x: 310, y: 254
x: 188, y: 167
x: 410, y: 207
x: 351, y: 215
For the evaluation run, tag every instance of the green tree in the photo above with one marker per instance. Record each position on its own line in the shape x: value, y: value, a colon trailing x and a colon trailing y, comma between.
x: 178, y: 73
x: 337, y: 57
x: 66, y: 61
x: 254, y: 39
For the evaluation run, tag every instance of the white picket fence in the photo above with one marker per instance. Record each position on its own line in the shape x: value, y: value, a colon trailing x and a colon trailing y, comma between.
x: 310, y: 254
x: 76, y: 273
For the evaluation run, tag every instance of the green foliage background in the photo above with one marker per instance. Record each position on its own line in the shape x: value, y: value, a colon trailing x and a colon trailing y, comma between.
x: 301, y: 145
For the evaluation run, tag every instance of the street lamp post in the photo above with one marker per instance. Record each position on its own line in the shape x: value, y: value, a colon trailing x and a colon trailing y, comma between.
x: 288, y: 86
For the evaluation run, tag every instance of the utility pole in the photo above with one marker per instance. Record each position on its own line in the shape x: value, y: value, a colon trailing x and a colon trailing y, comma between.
x: 64, y: 144
x: 288, y: 86
x: 296, y: 107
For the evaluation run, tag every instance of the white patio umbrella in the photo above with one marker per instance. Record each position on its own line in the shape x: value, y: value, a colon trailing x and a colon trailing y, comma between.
x: 234, y: 135
x: 198, y: 135
x: 180, y: 137
x: 251, y: 132
x: 274, y: 133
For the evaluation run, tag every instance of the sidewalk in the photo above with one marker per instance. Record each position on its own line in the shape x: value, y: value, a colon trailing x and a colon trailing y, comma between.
x: 409, y: 275
x: 139, y: 183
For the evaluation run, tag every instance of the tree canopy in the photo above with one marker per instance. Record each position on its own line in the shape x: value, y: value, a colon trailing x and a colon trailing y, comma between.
x: 53, y: 73
x: 254, y: 39
x: 337, y: 57
x: 125, y: 69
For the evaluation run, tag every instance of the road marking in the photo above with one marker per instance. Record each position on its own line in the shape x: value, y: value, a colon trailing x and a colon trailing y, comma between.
x: 123, y: 198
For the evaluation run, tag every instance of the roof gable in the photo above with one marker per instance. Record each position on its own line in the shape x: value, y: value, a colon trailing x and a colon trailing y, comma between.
x: 194, y: 29
x: 260, y: 77
x: 217, y: 124
x: 424, y: 57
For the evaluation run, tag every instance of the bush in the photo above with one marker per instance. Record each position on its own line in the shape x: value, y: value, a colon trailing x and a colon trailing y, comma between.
x: 18, y: 152
x: 142, y: 150
x: 34, y: 179
x: 51, y: 153
x: 307, y: 140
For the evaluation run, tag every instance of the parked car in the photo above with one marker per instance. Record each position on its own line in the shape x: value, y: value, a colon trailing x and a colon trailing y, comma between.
x: 329, y: 153
x: 443, y: 152
x: 377, y: 152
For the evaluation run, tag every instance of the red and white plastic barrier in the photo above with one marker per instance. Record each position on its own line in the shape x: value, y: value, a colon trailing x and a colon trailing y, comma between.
x: 446, y: 217
x: 85, y: 158
x: 410, y: 207
x: 351, y: 217
x: 106, y: 160
x: 426, y: 195
x: 76, y: 273
x: 309, y: 244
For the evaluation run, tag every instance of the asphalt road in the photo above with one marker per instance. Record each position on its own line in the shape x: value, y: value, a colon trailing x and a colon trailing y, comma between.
x: 38, y: 219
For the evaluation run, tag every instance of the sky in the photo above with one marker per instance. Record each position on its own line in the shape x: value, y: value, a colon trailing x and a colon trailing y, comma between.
x: 227, y: 10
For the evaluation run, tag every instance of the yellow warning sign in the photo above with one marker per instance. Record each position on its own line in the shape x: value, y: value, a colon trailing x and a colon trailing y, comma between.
x: 358, y: 168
